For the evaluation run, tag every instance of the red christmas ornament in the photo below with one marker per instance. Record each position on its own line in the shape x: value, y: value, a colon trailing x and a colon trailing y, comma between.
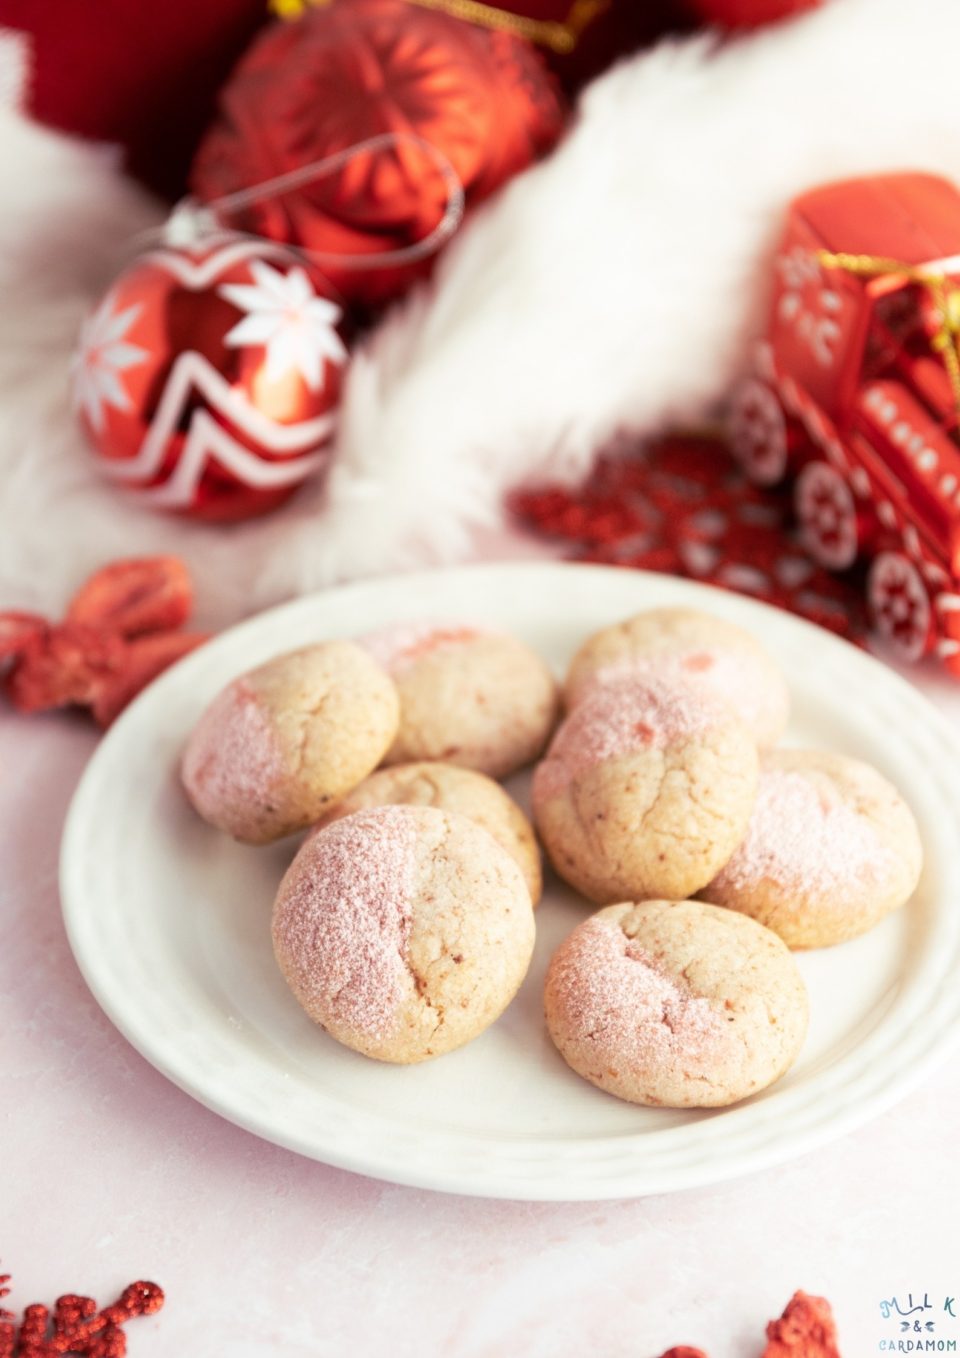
x: 854, y: 398
x: 208, y: 377
x: 749, y: 13
x: 482, y: 98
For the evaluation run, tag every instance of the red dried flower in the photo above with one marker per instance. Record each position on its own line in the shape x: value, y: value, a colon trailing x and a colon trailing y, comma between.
x: 145, y: 658
x: 17, y: 630
x: 805, y: 1330
x: 142, y: 594
x: 62, y: 666
x: 120, y: 633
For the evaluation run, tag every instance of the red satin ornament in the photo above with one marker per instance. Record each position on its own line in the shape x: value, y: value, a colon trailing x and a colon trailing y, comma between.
x: 342, y: 74
x: 208, y: 378
x: 749, y: 13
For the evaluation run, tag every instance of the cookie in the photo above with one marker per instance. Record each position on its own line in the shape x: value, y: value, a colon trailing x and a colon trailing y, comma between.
x: 450, y: 788
x: 831, y: 849
x: 675, y: 1004
x: 645, y: 791
x: 682, y: 645
x: 404, y: 931
x: 470, y: 697
x: 280, y: 745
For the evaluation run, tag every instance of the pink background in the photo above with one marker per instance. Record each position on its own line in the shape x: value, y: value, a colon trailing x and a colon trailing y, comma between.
x: 109, y: 1173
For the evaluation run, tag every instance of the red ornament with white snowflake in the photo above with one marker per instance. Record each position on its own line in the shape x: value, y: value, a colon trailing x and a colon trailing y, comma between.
x: 855, y: 394
x: 208, y: 378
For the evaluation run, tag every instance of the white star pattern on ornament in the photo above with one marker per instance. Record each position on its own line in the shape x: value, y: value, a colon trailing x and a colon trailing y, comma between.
x: 101, y: 356
x: 284, y: 314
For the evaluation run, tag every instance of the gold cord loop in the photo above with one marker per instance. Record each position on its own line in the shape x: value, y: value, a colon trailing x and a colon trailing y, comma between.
x: 946, y: 299
x: 561, y: 37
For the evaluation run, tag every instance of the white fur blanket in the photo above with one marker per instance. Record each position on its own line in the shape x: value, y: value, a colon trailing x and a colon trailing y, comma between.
x: 614, y: 285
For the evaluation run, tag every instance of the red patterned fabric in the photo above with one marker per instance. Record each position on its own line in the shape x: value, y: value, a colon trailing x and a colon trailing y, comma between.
x: 144, y: 75
x: 683, y: 507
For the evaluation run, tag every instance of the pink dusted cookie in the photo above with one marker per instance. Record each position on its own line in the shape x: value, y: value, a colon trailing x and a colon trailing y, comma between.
x: 831, y: 849
x: 468, y: 696
x: 281, y: 744
x: 681, y: 645
x: 646, y: 790
x: 675, y: 1004
x: 451, y: 788
x: 404, y: 931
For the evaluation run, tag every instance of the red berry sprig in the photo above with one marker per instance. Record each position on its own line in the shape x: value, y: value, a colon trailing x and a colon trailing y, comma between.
x: 75, y: 1327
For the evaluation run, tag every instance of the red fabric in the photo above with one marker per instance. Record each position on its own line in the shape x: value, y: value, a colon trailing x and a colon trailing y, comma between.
x: 748, y: 13
x: 682, y: 506
x: 130, y: 71
x: 624, y: 26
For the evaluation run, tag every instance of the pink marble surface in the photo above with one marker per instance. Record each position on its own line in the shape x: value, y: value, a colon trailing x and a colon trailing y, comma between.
x: 109, y: 1173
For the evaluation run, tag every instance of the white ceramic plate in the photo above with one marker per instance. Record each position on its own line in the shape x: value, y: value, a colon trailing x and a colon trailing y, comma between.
x: 169, y: 922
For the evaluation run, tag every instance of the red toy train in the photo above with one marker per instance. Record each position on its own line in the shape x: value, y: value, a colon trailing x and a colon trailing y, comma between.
x: 855, y: 392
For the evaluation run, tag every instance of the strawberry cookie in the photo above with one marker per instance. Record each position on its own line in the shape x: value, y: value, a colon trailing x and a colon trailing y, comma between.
x: 280, y: 745
x: 468, y: 696
x: 675, y: 1004
x: 404, y: 931
x: 832, y: 848
x: 450, y: 788
x: 681, y: 645
x: 645, y: 791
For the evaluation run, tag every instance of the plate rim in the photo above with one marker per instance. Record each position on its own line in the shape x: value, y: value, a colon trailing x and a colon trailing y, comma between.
x: 437, y: 1176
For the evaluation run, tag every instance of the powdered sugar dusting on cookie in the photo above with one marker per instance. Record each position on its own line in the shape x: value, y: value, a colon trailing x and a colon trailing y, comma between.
x: 234, y: 753
x: 632, y: 1014
x: 620, y: 718
x: 734, y: 677
x: 341, y: 924
x: 805, y: 838
x: 397, y: 647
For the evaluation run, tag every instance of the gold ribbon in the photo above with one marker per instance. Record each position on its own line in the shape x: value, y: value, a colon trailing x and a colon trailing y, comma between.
x: 946, y: 298
x: 558, y: 37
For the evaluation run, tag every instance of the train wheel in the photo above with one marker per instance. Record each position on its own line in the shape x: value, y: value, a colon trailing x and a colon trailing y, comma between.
x: 900, y: 605
x: 827, y: 515
x: 757, y: 431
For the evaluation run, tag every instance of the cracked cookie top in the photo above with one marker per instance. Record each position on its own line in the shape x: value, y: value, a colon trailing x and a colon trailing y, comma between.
x: 472, y: 697
x: 713, y: 657
x: 342, y: 923
x: 830, y: 850
x: 675, y: 1004
x: 645, y: 791
x: 281, y: 744
x: 404, y: 931
x: 621, y: 718
x: 450, y: 788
